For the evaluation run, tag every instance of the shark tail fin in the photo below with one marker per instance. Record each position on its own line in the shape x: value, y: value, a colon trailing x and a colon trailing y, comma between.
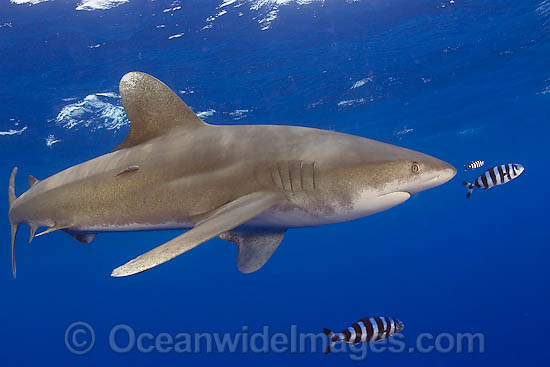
x: 470, y: 187
x: 332, y: 339
x: 14, y: 226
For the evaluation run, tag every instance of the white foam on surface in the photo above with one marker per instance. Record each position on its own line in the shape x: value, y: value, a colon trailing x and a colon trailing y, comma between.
x: 90, y: 5
x: 29, y: 2
x: 13, y: 131
x: 543, y: 11
x: 169, y: 10
x: 360, y: 83
x: 95, y: 111
x: 266, y: 11
x: 206, y: 113
x: 176, y: 36
x: 51, y: 140
x: 226, y: 3
x: 351, y: 102
x: 404, y: 131
x: 187, y: 91
x: 238, y: 114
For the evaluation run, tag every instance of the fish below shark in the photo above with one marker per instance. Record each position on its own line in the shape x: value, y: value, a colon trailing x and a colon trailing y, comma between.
x: 246, y: 184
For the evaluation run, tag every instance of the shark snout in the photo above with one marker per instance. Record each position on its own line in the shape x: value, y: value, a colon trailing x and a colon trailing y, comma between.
x: 434, y: 173
x: 445, y: 174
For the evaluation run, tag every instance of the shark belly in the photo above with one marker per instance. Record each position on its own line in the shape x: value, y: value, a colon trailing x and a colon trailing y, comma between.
x: 131, y: 227
x: 366, y: 203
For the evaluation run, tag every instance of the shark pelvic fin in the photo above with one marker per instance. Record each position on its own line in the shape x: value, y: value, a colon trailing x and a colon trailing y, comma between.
x: 255, y: 246
x: 221, y: 220
x: 153, y: 109
x: 33, y: 181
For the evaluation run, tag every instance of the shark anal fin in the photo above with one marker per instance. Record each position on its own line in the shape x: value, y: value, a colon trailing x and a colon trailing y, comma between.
x: 153, y: 109
x: 221, y: 220
x: 85, y: 237
x: 82, y: 237
x: 33, y: 181
x: 255, y: 246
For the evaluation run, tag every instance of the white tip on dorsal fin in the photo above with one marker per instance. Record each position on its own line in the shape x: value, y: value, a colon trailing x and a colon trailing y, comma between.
x: 33, y: 181
x: 153, y: 109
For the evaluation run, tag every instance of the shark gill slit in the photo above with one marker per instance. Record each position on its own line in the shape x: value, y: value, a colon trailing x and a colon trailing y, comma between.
x: 276, y: 177
x: 289, y: 168
x: 313, y: 174
x: 302, y: 175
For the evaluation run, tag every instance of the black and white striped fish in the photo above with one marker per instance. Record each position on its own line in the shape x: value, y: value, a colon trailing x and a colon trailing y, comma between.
x: 495, y: 176
x: 474, y: 165
x: 365, y: 330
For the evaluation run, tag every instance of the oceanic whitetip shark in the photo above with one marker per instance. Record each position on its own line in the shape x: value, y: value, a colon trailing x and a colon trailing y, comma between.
x: 244, y: 183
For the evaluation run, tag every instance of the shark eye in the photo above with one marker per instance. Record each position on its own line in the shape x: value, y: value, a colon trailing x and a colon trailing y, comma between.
x: 415, y: 168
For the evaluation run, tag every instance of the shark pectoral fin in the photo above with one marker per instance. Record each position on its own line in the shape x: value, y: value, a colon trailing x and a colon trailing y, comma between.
x: 255, y: 246
x: 223, y: 219
x: 153, y: 109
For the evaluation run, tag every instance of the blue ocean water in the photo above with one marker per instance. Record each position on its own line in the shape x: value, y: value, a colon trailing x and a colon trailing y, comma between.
x: 459, y: 80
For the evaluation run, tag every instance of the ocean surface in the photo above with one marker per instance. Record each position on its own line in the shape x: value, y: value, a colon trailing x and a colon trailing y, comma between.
x: 460, y: 80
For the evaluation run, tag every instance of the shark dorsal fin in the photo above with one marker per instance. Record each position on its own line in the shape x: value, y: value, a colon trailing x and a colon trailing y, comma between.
x: 32, y: 181
x: 153, y: 109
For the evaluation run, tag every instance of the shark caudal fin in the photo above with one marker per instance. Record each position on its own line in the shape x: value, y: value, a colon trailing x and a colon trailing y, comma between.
x: 14, y: 226
x: 332, y: 339
x: 470, y: 187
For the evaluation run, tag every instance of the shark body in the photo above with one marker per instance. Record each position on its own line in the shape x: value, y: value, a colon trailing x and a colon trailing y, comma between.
x: 245, y: 184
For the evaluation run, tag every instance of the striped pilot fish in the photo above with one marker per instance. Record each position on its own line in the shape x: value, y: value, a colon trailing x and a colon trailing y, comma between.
x: 474, y: 165
x: 365, y: 330
x: 495, y: 176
